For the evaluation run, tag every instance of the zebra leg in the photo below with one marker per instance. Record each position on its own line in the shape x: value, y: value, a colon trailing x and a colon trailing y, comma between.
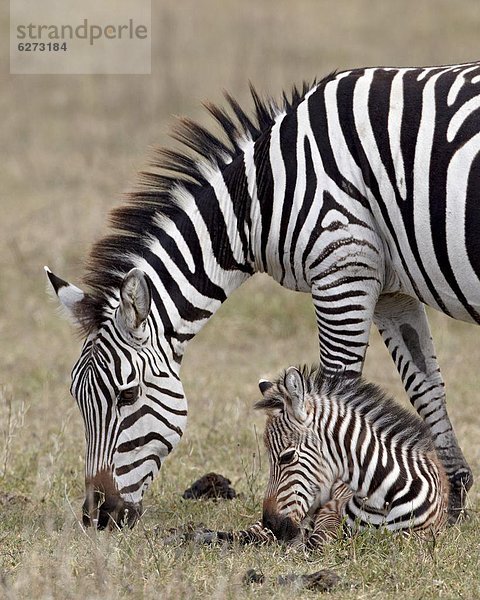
x: 403, y: 325
x: 328, y: 518
x: 344, y: 297
x: 256, y: 534
x: 327, y: 523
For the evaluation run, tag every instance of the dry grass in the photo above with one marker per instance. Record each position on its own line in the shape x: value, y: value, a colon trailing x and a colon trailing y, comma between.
x: 71, y: 144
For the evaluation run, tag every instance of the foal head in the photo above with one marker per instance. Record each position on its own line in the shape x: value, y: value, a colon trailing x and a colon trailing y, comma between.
x: 294, y: 452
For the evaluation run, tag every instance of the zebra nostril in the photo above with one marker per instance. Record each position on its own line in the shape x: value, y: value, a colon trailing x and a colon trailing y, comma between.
x: 272, y: 521
x: 103, y: 520
x: 108, y: 511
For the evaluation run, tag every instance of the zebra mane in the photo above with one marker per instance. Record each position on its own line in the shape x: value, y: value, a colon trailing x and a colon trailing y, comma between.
x: 156, y: 192
x: 376, y: 406
x: 368, y: 400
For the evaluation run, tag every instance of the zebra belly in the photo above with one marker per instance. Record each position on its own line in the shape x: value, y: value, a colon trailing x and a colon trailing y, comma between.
x: 430, y: 258
x: 462, y: 304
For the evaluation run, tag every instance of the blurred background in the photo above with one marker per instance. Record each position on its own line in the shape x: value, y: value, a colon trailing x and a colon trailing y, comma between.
x: 71, y: 145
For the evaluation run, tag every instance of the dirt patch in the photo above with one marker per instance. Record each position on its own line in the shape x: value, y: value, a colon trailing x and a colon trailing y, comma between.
x: 211, y: 486
x: 320, y: 581
x: 10, y: 499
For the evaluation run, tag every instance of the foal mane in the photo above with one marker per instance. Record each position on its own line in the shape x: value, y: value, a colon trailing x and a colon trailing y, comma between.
x: 368, y: 400
x: 379, y: 409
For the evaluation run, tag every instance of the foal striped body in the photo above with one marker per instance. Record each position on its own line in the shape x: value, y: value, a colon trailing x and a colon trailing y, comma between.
x: 340, y: 450
x: 361, y: 190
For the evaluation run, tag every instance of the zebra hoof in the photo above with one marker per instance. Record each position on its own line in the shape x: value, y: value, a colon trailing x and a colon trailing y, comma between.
x: 460, y: 483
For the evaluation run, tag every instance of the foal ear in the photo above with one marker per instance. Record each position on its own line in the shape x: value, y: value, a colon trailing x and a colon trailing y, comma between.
x: 264, y: 385
x: 135, y: 299
x: 295, y: 384
x: 272, y: 404
x: 70, y: 296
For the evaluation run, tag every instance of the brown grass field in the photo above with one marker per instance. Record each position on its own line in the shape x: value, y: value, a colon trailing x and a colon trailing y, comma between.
x: 70, y: 146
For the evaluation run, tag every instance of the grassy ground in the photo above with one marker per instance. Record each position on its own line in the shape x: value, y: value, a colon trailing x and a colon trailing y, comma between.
x: 71, y: 144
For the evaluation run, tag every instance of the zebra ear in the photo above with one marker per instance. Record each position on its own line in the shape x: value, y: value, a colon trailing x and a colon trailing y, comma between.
x: 135, y: 299
x: 264, y: 385
x: 70, y: 296
x: 272, y: 404
x: 295, y: 384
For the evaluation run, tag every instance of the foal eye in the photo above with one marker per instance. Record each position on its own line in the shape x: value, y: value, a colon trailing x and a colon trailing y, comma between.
x: 287, y: 457
x: 128, y: 396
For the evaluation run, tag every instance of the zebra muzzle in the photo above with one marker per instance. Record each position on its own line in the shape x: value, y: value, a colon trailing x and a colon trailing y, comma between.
x: 104, y: 508
x: 111, y: 513
x: 283, y: 527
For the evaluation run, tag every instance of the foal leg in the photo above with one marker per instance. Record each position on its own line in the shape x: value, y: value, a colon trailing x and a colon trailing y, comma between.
x: 403, y: 325
x: 256, y: 534
x: 328, y: 518
x: 326, y: 526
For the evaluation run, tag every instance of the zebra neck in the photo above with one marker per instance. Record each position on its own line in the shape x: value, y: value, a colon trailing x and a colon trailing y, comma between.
x: 347, y: 438
x: 197, y: 258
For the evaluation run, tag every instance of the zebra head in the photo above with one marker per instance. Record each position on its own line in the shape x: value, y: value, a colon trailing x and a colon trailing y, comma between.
x: 130, y: 397
x: 294, y: 452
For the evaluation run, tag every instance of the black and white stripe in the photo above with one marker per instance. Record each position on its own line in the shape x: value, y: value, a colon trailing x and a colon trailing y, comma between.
x: 360, y: 189
x: 340, y: 449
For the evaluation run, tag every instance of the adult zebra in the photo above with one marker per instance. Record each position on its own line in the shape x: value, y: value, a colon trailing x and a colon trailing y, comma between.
x: 359, y: 189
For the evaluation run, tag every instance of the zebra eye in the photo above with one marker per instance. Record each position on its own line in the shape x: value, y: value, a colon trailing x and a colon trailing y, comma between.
x: 286, y: 457
x: 127, y: 396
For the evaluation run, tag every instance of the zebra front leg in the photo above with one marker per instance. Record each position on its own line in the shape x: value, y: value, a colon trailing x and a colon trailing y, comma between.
x: 328, y: 518
x: 345, y: 297
x: 403, y: 325
x: 256, y: 534
x: 326, y: 524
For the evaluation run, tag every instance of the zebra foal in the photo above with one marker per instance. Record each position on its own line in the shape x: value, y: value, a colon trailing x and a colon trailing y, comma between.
x: 340, y: 450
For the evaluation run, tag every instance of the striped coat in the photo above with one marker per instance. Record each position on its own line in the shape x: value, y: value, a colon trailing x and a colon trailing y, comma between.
x: 361, y: 189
